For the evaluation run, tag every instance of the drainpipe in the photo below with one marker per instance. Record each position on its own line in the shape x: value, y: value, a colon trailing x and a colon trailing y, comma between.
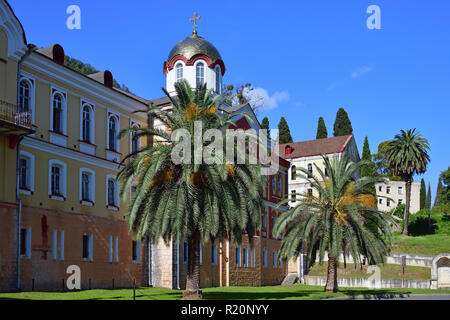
x: 19, y: 214
x: 178, y: 266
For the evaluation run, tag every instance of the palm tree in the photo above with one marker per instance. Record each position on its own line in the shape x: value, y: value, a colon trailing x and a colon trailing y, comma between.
x: 199, y: 201
x: 340, y: 216
x: 406, y: 155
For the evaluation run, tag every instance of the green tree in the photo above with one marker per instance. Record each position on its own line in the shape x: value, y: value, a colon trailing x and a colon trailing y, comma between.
x: 321, y: 129
x: 423, y: 194
x: 200, y: 201
x: 342, y: 124
x: 368, y: 169
x: 445, y: 193
x: 438, y: 194
x: 335, y: 219
x: 381, y: 165
x: 428, y: 202
x: 284, y: 133
x: 407, y: 154
x: 265, y: 125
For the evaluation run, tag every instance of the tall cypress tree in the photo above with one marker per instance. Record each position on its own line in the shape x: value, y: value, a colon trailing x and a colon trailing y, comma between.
x: 265, y: 125
x: 423, y: 194
x: 321, y: 129
x: 284, y: 133
x: 342, y: 124
x: 428, y: 202
x: 438, y: 193
x: 367, y: 170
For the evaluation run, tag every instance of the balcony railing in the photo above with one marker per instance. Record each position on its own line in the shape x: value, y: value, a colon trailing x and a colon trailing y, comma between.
x: 10, y: 113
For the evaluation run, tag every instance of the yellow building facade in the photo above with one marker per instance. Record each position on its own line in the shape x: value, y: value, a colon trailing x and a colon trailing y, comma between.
x: 59, y: 156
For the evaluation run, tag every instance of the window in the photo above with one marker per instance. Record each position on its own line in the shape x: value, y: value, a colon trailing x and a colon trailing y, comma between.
x: 214, y: 255
x: 380, y: 188
x: 265, y: 258
x: 293, y: 196
x: 112, y: 145
x: 245, y: 258
x: 25, y: 242
x: 136, y: 250
x: 61, y: 245
x: 56, y: 180
x: 388, y: 202
x: 24, y: 96
x: 263, y: 221
x: 200, y: 74
x: 388, y: 190
x: 86, y: 125
x: 23, y: 174
x: 280, y: 191
x: 87, y: 188
x: 310, y: 168
x: 273, y: 184
x: 325, y: 171
x: 116, y: 249
x: 400, y: 201
x: 135, y: 142
x: 217, y: 71
x: 238, y: 256
x: 58, y: 113
x: 55, y: 244
x: 185, y: 252
x: 112, y: 192
x: 380, y: 201
x: 273, y: 218
x: 253, y: 258
x: 85, y: 246
x: 179, y: 69
x: 26, y: 172
x: 293, y: 173
x: 400, y: 190
x: 110, y: 249
x: 274, y: 259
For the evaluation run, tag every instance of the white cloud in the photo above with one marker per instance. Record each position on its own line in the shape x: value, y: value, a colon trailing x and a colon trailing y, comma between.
x: 260, y: 99
x: 361, y: 71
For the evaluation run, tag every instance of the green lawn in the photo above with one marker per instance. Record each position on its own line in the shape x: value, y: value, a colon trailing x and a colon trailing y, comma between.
x: 295, y: 292
x: 388, y: 271
x: 432, y: 244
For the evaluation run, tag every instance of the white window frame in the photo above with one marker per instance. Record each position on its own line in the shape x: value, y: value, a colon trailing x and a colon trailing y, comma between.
x: 30, y: 82
x: 117, y: 141
x: 134, y: 125
x: 116, y: 205
x: 177, y: 68
x: 30, y: 172
x: 197, y: 75
x: 63, y: 177
x: 54, y: 92
x: 245, y: 257
x: 91, y: 173
x: 91, y: 138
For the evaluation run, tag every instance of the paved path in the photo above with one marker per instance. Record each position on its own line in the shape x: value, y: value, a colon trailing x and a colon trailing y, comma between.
x: 437, y: 296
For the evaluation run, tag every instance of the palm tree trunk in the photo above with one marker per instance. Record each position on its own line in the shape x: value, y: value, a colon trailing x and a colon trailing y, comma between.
x: 332, y: 285
x: 193, y: 271
x: 407, y: 205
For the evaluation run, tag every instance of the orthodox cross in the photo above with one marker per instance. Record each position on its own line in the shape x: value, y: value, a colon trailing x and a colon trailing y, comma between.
x: 194, y: 20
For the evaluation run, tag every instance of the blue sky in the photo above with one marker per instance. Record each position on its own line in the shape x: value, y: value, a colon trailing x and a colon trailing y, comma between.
x: 311, y: 57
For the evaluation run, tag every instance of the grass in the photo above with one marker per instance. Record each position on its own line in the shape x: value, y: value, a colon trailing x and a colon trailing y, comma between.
x: 295, y: 292
x: 388, y: 271
x: 432, y: 244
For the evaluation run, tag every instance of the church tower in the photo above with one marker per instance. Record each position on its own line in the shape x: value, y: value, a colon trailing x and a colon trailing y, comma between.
x: 195, y: 60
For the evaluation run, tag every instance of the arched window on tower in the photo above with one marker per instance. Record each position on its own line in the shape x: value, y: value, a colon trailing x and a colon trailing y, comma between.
x: 200, y: 74
x: 179, y: 69
x: 218, y: 88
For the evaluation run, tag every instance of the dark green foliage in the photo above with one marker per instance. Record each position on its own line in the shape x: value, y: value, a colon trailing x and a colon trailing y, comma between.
x: 438, y: 193
x: 265, y: 125
x: 445, y: 193
x: 435, y: 221
x: 428, y: 201
x: 284, y: 133
x: 87, y: 69
x: 321, y: 129
x: 342, y: 124
x: 367, y: 170
x: 423, y: 194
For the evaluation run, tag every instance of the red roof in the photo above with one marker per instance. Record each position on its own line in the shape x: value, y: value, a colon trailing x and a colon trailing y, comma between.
x: 314, y: 147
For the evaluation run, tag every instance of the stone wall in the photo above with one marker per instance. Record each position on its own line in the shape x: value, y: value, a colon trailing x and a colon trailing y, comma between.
x: 365, y: 283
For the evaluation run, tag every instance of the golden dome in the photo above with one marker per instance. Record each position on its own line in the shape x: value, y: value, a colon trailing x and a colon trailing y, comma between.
x: 192, y: 46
